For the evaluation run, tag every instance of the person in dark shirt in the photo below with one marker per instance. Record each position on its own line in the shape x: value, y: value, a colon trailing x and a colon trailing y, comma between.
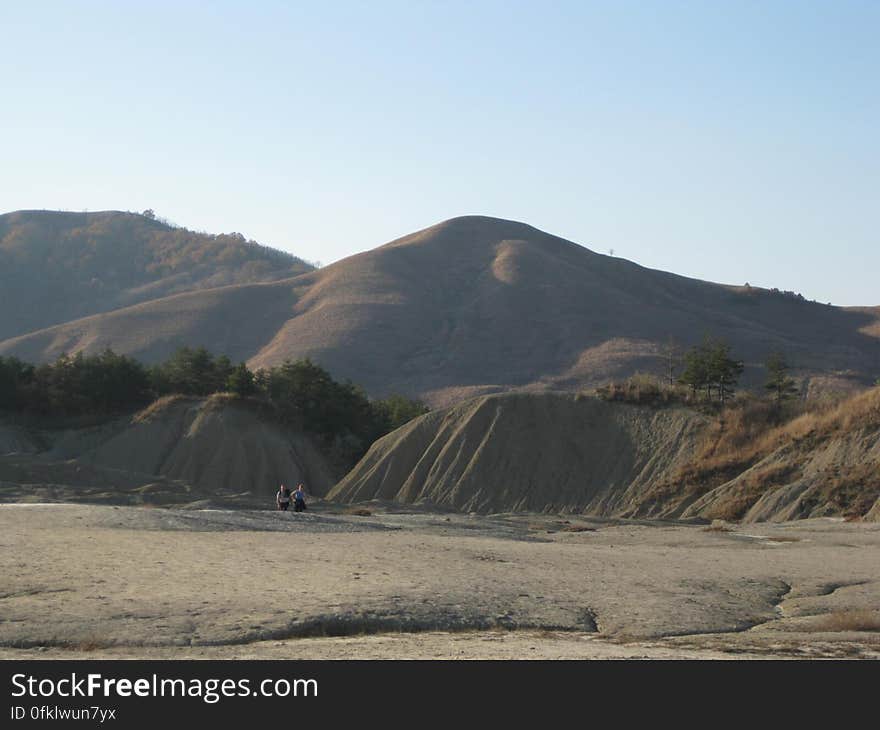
x: 299, y: 499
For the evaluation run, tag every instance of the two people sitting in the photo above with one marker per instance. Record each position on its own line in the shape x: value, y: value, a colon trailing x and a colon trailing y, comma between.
x: 283, y: 498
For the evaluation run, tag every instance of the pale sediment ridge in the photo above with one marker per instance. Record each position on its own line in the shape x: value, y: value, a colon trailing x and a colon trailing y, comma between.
x: 566, y: 453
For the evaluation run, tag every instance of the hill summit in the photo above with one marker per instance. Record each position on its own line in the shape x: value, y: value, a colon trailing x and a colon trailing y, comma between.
x: 59, y: 266
x: 476, y: 305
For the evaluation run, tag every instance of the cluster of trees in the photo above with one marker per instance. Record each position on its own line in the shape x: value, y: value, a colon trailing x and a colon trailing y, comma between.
x: 786, y: 293
x: 105, y: 383
x: 301, y: 393
x: 710, y: 368
x: 124, y: 250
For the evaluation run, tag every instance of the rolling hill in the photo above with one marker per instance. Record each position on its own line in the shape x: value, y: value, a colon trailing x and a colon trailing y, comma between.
x: 59, y: 266
x: 479, y: 305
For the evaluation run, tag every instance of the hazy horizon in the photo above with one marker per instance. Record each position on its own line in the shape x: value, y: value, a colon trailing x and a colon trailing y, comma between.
x: 727, y: 143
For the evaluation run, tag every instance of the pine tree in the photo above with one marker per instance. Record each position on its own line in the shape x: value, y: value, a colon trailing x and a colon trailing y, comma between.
x: 724, y: 371
x: 241, y: 381
x: 710, y: 366
x: 696, y: 372
x: 778, y: 380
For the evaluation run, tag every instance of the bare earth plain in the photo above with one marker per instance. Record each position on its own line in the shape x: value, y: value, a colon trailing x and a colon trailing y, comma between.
x: 103, y: 581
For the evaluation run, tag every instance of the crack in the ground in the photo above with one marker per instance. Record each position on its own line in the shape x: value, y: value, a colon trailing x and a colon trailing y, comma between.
x: 829, y: 589
x: 332, y: 627
x: 32, y: 592
x: 741, y: 627
x: 778, y: 606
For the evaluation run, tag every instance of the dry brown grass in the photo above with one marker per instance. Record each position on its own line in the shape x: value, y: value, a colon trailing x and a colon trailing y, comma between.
x: 86, y: 645
x: 644, y: 389
x: 717, y: 527
x: 732, y: 510
x: 852, y: 620
x: 753, y: 429
x: 742, y: 432
x: 753, y: 486
x: 213, y: 402
x: 358, y: 512
x: 260, y: 407
x: 219, y: 400
x: 824, y: 418
x: 854, y: 489
x: 157, y: 407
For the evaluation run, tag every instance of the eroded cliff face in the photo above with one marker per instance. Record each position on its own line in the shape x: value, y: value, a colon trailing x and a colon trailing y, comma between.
x: 177, y: 451
x: 567, y: 453
x: 540, y: 452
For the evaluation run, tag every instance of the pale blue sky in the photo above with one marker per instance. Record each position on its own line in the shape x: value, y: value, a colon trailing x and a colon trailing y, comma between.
x: 731, y: 141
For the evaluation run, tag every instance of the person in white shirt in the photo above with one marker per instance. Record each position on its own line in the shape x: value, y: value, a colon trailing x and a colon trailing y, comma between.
x: 282, y: 498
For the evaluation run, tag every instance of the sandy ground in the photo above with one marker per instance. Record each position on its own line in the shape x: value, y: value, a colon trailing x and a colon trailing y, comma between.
x: 126, y: 582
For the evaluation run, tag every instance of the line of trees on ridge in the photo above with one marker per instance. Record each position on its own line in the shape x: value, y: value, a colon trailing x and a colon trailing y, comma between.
x: 301, y: 393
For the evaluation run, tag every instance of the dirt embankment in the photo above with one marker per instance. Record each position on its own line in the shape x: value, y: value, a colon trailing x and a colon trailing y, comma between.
x: 563, y: 453
x: 540, y: 452
x: 177, y: 451
x: 16, y: 440
x: 550, y: 452
x: 819, y: 465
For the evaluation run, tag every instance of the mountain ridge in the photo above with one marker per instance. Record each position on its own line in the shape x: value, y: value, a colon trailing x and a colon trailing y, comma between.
x: 58, y: 266
x: 474, y: 305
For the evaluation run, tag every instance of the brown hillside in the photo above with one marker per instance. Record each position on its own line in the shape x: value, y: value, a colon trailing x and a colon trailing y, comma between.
x: 235, y: 321
x: 56, y: 267
x: 820, y: 464
x: 476, y: 305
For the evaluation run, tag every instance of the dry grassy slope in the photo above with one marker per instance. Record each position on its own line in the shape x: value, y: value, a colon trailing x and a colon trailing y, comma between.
x: 59, y: 266
x: 236, y: 321
x: 815, y: 466
x: 477, y: 305
x: 540, y: 452
x: 216, y: 446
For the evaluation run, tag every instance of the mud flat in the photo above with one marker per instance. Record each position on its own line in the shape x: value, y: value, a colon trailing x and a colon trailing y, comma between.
x: 94, y: 581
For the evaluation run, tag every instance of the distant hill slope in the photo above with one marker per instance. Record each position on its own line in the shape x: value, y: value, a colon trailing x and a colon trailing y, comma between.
x: 477, y: 305
x: 236, y: 321
x: 562, y: 453
x: 56, y: 267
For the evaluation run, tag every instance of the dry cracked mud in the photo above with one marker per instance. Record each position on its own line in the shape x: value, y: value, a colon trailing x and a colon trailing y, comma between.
x: 115, y: 581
